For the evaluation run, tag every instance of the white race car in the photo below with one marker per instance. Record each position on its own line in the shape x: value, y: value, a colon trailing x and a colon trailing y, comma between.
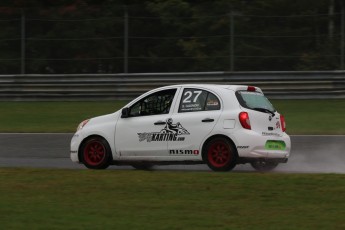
x: 220, y: 125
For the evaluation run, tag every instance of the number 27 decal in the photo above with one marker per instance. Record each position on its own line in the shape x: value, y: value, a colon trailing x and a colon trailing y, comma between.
x: 189, y: 96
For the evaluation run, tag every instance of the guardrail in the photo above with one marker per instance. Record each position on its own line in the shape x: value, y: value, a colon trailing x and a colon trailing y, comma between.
x: 276, y: 85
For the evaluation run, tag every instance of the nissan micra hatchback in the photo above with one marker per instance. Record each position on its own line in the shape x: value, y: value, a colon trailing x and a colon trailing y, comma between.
x: 220, y: 125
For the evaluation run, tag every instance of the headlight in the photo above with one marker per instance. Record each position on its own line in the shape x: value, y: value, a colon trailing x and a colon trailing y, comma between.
x: 82, y: 124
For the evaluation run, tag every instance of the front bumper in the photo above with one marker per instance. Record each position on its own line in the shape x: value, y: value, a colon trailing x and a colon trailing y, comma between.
x: 75, y: 143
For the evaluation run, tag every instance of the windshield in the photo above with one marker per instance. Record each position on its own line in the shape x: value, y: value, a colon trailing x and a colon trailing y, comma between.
x: 254, y: 100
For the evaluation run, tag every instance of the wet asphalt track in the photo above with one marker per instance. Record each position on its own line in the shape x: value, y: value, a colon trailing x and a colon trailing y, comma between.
x: 325, y: 154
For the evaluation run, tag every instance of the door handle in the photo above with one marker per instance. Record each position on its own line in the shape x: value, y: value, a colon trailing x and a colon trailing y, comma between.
x: 159, y: 123
x: 208, y: 120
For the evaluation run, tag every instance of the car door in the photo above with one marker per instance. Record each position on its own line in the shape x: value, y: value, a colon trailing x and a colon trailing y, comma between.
x: 196, y: 115
x: 139, y: 134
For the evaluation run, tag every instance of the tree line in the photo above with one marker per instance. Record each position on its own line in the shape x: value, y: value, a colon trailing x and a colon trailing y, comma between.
x: 114, y: 36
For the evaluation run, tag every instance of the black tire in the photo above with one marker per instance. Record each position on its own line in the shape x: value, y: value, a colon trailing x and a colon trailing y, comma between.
x: 264, y: 166
x: 220, y: 154
x: 95, y: 153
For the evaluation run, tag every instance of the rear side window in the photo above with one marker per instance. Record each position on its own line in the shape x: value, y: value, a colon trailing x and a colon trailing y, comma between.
x: 194, y: 100
x: 254, y: 100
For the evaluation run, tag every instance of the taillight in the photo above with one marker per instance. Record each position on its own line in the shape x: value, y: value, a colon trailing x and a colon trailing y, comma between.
x: 251, y: 88
x: 282, y: 122
x: 244, y: 120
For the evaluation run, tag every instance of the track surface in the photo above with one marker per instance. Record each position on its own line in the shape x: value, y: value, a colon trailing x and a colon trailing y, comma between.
x: 325, y: 154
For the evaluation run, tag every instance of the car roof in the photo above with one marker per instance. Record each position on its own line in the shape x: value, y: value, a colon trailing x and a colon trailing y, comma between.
x: 216, y: 86
x: 212, y: 87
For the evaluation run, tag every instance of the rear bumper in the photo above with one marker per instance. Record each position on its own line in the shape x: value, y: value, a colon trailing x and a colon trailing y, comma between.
x: 244, y: 160
x: 254, y: 145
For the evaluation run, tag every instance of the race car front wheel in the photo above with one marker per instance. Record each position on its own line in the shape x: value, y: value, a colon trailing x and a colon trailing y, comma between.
x: 220, y: 154
x: 96, y: 153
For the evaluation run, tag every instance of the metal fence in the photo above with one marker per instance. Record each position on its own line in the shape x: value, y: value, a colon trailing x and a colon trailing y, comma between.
x: 137, y: 39
x: 83, y: 87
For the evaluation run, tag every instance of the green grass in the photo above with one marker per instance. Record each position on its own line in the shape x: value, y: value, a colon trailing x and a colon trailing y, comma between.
x: 86, y: 199
x: 313, y: 116
x: 302, y: 116
x: 50, y: 116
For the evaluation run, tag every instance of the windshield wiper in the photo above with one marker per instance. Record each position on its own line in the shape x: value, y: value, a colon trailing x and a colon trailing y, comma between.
x: 265, y: 111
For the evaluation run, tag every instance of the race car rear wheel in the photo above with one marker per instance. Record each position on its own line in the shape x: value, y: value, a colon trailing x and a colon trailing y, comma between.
x: 96, y: 153
x: 264, y: 166
x: 220, y: 154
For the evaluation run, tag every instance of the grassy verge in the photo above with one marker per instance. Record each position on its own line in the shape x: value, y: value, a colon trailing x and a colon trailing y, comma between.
x: 313, y: 116
x: 85, y: 199
x: 302, y: 116
x: 50, y: 116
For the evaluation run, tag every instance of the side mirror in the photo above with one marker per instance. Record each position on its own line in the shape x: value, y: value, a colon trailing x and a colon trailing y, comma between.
x: 125, y: 113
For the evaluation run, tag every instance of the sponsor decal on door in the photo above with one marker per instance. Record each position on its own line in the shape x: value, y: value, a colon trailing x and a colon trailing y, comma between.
x: 170, y: 132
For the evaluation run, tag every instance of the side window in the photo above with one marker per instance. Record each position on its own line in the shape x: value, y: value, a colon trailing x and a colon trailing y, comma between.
x: 154, y: 104
x: 212, y: 102
x: 194, y: 100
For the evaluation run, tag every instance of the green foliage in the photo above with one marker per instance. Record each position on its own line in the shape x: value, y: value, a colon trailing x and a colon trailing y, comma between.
x: 87, y: 36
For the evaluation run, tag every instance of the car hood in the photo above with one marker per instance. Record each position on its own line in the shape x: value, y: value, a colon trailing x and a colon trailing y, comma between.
x: 96, y: 123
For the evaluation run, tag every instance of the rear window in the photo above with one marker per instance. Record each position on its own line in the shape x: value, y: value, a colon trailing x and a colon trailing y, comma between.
x: 254, y: 100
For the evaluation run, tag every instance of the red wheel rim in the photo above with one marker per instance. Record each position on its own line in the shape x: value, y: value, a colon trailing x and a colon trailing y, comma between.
x: 219, y: 154
x: 94, y: 153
